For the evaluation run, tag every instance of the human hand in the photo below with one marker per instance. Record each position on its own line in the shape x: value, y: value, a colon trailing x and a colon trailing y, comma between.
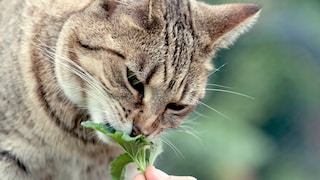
x: 155, y: 174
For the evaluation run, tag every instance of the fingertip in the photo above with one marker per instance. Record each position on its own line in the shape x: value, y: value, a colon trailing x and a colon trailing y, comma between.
x: 155, y: 174
x: 192, y: 178
x: 150, y: 168
x: 139, y: 177
x: 150, y: 171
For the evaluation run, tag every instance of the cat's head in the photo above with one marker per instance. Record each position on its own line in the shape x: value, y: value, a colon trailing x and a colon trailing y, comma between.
x: 141, y: 66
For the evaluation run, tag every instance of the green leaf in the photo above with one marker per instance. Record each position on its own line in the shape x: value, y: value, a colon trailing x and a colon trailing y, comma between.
x: 118, y: 166
x: 138, y: 149
x: 99, y: 127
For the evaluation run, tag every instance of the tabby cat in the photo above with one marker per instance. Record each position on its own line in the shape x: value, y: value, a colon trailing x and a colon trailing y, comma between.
x: 139, y: 66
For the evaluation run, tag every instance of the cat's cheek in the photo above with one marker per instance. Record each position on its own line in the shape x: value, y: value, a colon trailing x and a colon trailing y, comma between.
x: 73, y: 95
x: 66, y: 81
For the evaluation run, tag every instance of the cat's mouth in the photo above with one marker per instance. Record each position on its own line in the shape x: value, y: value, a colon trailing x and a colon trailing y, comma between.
x: 113, y: 129
x: 110, y: 126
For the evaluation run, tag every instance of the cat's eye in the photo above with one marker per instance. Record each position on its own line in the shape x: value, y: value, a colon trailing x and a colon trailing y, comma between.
x: 175, y: 106
x: 86, y: 46
x: 135, y: 83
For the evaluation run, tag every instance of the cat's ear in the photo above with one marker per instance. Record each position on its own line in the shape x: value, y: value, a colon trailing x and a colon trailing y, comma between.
x: 223, y: 24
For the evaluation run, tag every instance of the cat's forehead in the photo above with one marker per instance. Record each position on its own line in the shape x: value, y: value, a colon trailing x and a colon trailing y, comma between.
x: 148, y: 39
x: 170, y: 17
x: 174, y: 51
x: 170, y: 32
x: 134, y: 25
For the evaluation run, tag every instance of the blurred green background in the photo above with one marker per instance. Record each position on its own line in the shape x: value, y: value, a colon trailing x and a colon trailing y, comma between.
x: 276, y: 135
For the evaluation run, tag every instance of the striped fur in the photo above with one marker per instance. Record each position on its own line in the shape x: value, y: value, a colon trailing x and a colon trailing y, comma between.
x: 64, y: 62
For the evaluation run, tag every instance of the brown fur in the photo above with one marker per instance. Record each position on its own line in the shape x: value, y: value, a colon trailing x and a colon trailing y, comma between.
x: 64, y: 62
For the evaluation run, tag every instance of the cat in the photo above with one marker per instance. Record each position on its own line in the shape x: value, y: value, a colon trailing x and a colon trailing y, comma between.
x: 138, y: 66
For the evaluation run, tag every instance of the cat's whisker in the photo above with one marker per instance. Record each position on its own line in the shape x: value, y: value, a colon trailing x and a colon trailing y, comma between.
x: 218, y: 112
x: 131, y: 76
x: 135, y: 83
x: 92, y: 82
x: 87, y: 107
x: 218, y: 85
x: 84, y: 75
x: 89, y: 93
x: 191, y: 121
x: 228, y: 91
x: 98, y: 99
x: 217, y: 69
x: 200, y: 114
x: 80, y: 72
x: 187, y: 127
x: 124, y: 2
x: 95, y: 92
x: 190, y: 131
x: 171, y: 146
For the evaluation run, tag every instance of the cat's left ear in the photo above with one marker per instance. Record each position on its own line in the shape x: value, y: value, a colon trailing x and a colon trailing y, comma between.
x: 221, y: 25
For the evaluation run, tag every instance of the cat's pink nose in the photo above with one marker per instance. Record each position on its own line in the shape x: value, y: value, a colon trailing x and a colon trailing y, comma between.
x: 136, y: 130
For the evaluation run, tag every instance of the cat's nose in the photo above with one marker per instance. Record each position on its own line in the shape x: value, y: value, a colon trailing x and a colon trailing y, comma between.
x: 136, y: 130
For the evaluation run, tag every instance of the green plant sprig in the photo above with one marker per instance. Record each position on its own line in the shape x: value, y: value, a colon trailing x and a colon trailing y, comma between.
x: 137, y: 149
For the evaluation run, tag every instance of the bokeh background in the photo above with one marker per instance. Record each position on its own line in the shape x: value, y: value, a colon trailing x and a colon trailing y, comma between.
x: 276, y: 135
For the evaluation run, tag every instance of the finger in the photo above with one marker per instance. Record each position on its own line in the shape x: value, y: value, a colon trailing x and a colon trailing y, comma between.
x: 154, y: 174
x: 181, y: 178
x: 139, y: 177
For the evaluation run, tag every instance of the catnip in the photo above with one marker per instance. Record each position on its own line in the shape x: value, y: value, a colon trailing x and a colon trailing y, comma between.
x: 137, y: 149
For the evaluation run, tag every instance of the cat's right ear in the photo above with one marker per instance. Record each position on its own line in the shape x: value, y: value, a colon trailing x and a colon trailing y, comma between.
x: 60, y: 7
x: 221, y: 25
